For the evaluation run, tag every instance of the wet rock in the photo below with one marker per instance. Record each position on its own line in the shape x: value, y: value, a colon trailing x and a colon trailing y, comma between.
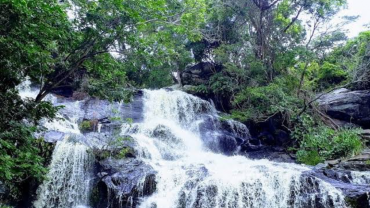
x: 271, y: 132
x: 63, y: 91
x: 358, y: 163
x: 4, y: 193
x: 53, y: 136
x: 270, y: 153
x: 269, y: 140
x: 332, y: 163
x: 164, y: 134
x: 113, y: 111
x: 107, y: 145
x: 227, y: 144
x: 365, y: 134
x: 348, y: 106
x: 357, y: 196
x: 88, y: 125
x: 225, y: 136
x: 126, y: 180
x: 80, y: 96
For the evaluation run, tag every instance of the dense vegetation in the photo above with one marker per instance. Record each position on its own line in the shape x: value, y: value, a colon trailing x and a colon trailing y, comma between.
x: 274, y: 57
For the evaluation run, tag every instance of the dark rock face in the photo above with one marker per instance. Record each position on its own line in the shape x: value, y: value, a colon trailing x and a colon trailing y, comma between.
x: 64, y: 91
x: 199, y: 73
x: 4, y: 193
x: 357, y: 196
x: 225, y: 136
x: 349, y: 106
x: 125, y: 180
x: 269, y: 140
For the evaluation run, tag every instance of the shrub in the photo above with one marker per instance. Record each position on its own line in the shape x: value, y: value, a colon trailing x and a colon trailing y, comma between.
x: 257, y: 103
x: 86, y: 125
x: 323, y: 143
x: 116, y: 148
x: 329, y: 75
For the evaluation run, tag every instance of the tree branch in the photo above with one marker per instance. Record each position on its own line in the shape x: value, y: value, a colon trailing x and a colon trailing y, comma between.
x: 293, y: 20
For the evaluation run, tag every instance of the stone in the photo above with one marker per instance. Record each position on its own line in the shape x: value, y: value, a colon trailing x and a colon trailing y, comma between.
x: 53, y: 136
x: 199, y: 73
x: 126, y: 179
x: 357, y: 196
x: 349, y: 106
x: 357, y: 163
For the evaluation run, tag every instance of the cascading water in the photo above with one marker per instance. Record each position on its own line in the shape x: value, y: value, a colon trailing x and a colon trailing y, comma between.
x: 68, y: 182
x: 193, y: 157
x: 191, y: 175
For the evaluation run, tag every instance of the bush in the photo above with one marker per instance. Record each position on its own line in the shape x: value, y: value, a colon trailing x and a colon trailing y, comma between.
x: 323, y: 143
x: 257, y: 103
x: 86, y: 126
x: 329, y: 75
x: 23, y: 157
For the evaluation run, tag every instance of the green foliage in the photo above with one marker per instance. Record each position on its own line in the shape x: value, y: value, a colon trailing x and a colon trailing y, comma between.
x: 257, y: 103
x: 116, y: 148
x: 118, y: 141
x: 40, y: 41
x: 330, y: 75
x: 352, y: 57
x: 5, y: 206
x: 31, y: 32
x: 86, y: 125
x: 199, y: 89
x: 22, y: 156
x: 320, y: 143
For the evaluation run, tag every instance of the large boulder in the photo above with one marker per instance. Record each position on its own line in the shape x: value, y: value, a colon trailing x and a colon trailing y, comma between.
x: 122, y: 182
x: 104, y: 110
x: 270, y: 139
x: 222, y: 135
x: 199, y: 74
x: 349, y: 106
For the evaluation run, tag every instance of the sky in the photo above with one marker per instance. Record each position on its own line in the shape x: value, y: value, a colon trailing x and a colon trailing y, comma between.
x: 356, y: 7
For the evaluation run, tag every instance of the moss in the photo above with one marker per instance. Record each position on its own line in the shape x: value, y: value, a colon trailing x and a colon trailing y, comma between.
x: 88, y: 125
x: 94, y: 197
x: 85, y: 125
x: 118, y: 154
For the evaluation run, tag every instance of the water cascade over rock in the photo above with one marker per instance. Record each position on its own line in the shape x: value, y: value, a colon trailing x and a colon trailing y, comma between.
x: 182, y: 139
x: 68, y: 183
x: 169, y: 149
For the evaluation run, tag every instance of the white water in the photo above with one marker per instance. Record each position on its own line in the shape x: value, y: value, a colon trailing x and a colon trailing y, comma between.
x: 68, y: 182
x: 360, y: 178
x: 190, y: 175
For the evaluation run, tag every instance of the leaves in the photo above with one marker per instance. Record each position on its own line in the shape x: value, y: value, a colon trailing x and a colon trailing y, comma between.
x: 322, y: 143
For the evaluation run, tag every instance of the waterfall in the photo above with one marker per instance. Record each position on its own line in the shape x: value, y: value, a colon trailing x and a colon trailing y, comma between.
x: 195, y: 162
x: 191, y: 174
x: 68, y: 182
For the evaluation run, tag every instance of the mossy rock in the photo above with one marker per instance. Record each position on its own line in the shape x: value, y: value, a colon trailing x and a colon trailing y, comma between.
x: 88, y: 125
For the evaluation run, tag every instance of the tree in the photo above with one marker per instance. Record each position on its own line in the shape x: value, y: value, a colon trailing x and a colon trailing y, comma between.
x: 51, y: 49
